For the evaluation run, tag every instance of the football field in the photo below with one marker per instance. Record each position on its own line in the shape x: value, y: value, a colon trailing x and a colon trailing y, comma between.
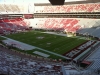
x: 54, y: 43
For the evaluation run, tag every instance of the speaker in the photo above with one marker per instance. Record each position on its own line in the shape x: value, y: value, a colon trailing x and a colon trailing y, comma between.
x: 57, y: 2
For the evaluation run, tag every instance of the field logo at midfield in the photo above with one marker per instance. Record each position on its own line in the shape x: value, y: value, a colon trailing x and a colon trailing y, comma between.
x: 40, y: 37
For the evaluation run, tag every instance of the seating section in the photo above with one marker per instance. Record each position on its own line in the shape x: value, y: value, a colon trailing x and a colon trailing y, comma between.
x: 13, y: 8
x: 11, y: 63
x: 78, y: 50
x: 90, y: 27
x: 15, y: 65
x: 2, y: 9
x: 93, y: 7
x: 78, y: 25
x: 7, y: 7
x: 13, y: 24
x: 95, y: 57
x: 70, y: 25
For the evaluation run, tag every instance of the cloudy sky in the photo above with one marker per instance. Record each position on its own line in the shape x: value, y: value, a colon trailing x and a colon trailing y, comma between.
x: 30, y: 1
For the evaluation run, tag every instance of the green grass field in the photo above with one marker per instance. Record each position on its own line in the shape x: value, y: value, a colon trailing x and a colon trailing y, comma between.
x: 50, y: 42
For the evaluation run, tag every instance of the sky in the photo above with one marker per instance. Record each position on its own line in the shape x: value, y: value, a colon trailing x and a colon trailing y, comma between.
x: 32, y: 1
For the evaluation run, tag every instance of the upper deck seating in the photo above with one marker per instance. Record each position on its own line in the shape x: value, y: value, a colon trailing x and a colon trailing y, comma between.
x: 93, y: 7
